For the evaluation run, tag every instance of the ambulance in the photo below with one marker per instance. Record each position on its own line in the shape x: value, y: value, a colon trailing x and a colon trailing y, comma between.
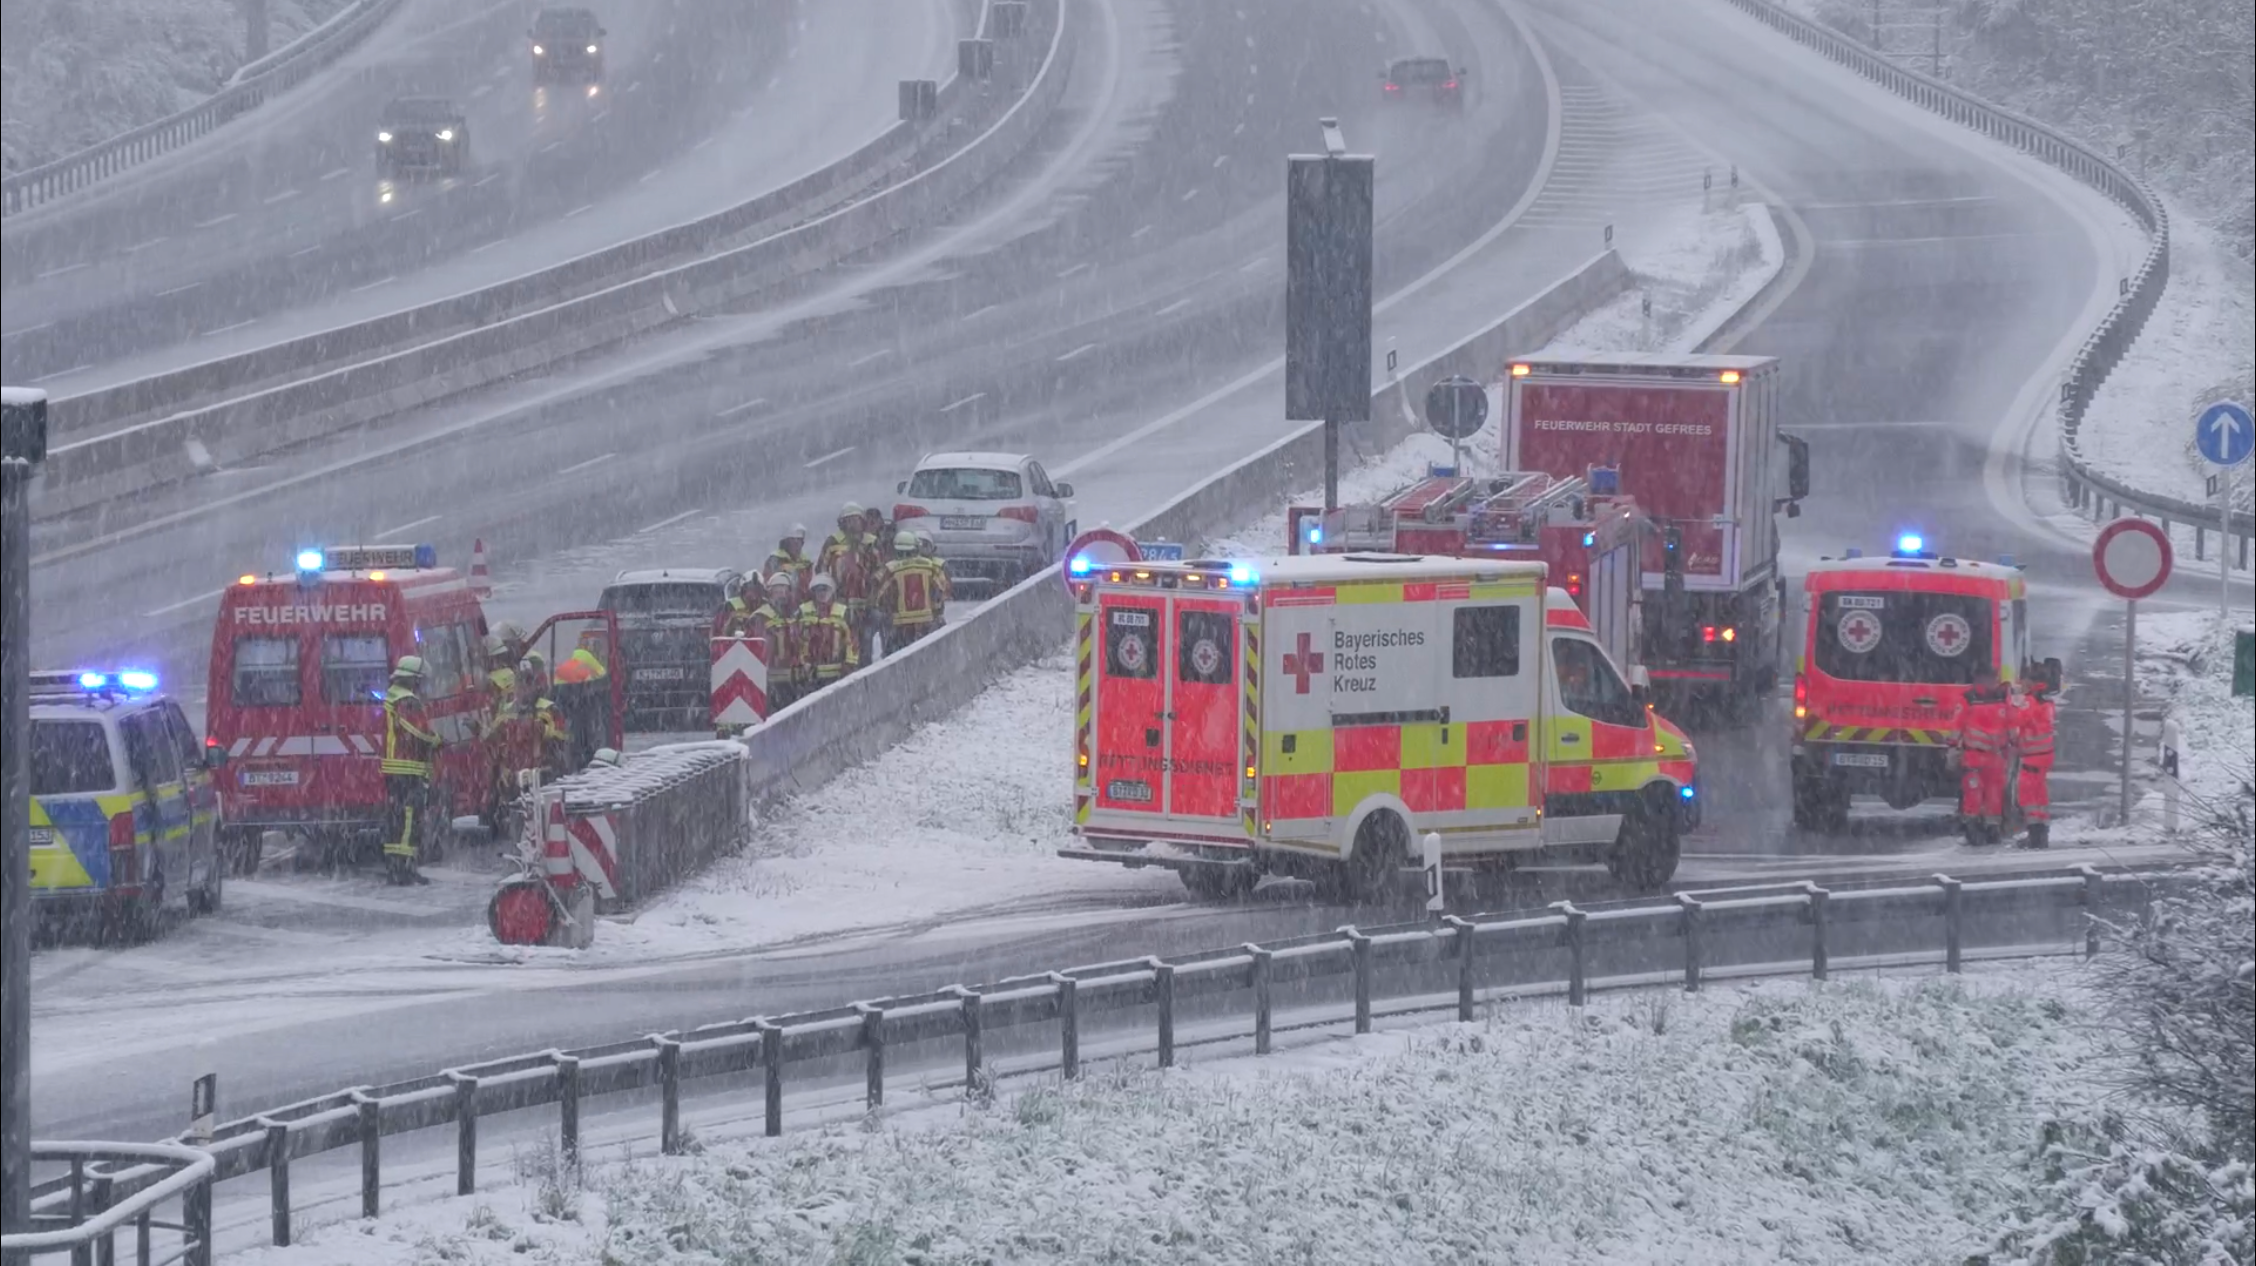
x: 1317, y: 716
x: 1890, y: 646
x: 299, y: 665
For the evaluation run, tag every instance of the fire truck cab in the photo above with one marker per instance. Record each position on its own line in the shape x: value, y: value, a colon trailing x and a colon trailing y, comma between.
x: 299, y: 665
x: 1316, y: 716
x: 1890, y: 646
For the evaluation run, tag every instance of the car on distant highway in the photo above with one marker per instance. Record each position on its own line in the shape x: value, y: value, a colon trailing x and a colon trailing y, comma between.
x: 567, y: 47
x: 1426, y: 79
x: 422, y: 134
x: 666, y: 622
x: 993, y: 518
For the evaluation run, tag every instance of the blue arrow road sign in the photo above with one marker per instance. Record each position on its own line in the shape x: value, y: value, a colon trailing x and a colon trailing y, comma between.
x: 2224, y: 433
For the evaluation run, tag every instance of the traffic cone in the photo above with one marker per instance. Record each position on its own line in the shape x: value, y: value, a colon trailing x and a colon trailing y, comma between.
x: 481, y: 580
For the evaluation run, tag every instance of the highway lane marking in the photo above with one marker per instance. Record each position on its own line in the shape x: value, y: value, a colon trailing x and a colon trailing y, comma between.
x: 753, y: 403
x: 664, y: 523
x: 973, y: 398
x: 487, y: 179
x: 636, y: 86
x: 215, y: 220
x: 1139, y: 232
x: 576, y: 210
x: 580, y: 466
x: 373, y: 284
x: 301, y: 254
x: 185, y: 602
x: 980, y: 311
x: 864, y: 360
x: 283, y: 196
x: 154, y: 241
x: 830, y: 457
x: 1176, y: 306
x: 31, y: 329
x: 177, y: 290
x: 408, y: 214
x: 226, y: 328
x: 481, y: 90
x: 1078, y: 352
x: 479, y: 250
x: 1189, y: 194
x: 1257, y: 262
x: 1074, y: 269
x: 333, y: 173
x: 649, y: 176
x: 60, y: 372
x: 1895, y: 202
x: 407, y: 527
x: 550, y: 146
x: 57, y: 272
x: 702, y: 144
x: 1220, y: 159
x: 1918, y: 241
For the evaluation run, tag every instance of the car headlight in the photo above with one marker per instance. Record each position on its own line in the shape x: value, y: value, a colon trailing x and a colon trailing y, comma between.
x: 538, y: 51
x: 591, y: 50
x: 383, y: 138
x: 446, y: 134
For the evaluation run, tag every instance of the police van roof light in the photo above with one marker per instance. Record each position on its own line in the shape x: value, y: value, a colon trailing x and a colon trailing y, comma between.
x: 136, y: 679
x: 1910, y: 543
x: 93, y: 681
x: 426, y: 556
x: 310, y: 560
x: 1080, y: 565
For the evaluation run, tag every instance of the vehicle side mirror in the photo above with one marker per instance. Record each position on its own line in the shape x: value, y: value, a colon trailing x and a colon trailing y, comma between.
x: 902, y: 486
x: 1641, y: 685
x: 1797, y: 465
x: 1065, y: 490
x: 1460, y: 72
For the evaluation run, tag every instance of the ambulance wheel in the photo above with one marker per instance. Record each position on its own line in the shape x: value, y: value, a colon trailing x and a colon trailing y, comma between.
x: 1220, y: 883
x: 1647, y: 851
x: 1368, y: 875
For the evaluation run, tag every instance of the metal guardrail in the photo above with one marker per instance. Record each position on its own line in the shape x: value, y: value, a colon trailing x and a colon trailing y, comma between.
x: 2085, y: 489
x: 1729, y: 933
x: 83, y: 1211
x: 349, y: 376
x: 249, y: 89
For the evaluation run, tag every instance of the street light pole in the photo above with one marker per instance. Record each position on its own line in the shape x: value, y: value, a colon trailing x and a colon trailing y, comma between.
x: 23, y: 445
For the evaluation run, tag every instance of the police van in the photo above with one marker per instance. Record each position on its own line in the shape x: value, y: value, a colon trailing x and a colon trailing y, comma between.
x: 1315, y: 716
x: 124, y: 814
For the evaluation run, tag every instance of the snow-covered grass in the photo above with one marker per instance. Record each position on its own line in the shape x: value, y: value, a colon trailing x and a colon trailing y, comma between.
x: 2186, y: 660
x: 73, y: 74
x: 1885, y: 1119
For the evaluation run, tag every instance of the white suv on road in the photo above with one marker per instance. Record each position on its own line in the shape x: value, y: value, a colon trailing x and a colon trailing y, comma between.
x: 992, y: 517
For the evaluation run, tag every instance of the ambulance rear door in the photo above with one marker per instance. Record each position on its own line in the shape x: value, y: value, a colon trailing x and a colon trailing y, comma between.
x: 1168, y: 708
x: 1131, y: 701
x: 1205, y: 709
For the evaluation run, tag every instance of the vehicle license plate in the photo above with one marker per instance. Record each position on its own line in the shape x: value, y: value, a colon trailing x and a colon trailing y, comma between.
x: 1862, y: 760
x: 270, y: 778
x: 1126, y: 789
x: 43, y: 837
x: 661, y: 674
x: 963, y: 522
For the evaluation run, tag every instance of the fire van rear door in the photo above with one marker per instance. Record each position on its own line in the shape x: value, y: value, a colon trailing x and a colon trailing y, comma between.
x: 1131, y: 701
x: 1204, y: 720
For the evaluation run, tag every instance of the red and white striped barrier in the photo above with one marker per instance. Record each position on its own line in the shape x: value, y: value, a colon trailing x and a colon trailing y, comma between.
x: 582, y: 850
x: 740, y: 681
x: 481, y: 580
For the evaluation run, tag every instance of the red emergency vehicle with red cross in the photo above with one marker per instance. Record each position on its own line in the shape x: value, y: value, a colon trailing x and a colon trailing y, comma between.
x: 1315, y: 716
x: 1890, y: 648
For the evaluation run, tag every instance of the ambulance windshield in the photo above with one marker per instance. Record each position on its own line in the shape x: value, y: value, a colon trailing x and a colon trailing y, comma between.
x: 1927, y: 638
x: 69, y: 758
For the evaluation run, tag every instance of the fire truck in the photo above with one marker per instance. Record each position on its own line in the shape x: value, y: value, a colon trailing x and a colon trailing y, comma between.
x: 1582, y: 528
x: 1890, y: 645
x: 1314, y: 716
x: 299, y: 664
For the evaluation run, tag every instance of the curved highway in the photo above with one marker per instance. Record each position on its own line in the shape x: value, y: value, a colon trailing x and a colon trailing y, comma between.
x: 286, y: 227
x: 1939, y: 284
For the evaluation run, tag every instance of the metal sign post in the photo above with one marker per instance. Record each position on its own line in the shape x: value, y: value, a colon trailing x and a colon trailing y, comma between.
x: 1457, y: 407
x: 2133, y: 559
x: 1328, y: 292
x: 23, y: 445
x: 2226, y: 435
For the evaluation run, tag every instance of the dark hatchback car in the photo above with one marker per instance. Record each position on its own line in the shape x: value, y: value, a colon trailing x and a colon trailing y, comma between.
x: 422, y: 134
x: 666, y: 622
x: 1427, y: 79
x: 567, y: 47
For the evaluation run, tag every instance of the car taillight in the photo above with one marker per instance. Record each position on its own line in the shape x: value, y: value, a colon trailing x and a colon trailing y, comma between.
x: 1394, y: 87
x: 1707, y: 632
x: 1449, y: 83
x: 1024, y: 514
x: 1801, y: 696
x: 125, y: 860
x: 1574, y: 586
x: 903, y: 510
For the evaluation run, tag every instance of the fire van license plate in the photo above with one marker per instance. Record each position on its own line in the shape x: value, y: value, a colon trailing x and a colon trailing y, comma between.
x: 270, y: 778
x: 1128, y: 789
x: 1861, y: 760
x: 661, y: 674
x: 43, y: 837
x: 963, y: 523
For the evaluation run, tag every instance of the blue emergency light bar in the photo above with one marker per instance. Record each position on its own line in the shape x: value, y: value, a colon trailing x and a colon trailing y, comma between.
x: 1910, y: 544
x: 129, y: 679
x: 312, y: 562
x: 1240, y: 574
x: 1080, y: 565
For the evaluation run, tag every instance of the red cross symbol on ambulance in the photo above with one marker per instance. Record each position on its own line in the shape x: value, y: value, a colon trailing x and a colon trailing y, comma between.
x: 1948, y: 635
x: 1302, y: 663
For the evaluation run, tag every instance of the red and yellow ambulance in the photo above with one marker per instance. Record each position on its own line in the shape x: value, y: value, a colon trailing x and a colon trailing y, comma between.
x: 1890, y: 646
x: 1315, y: 716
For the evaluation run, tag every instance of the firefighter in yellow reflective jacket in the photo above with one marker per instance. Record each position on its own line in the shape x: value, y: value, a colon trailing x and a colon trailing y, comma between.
x: 493, y: 731
x: 912, y: 593
x: 824, y: 635
x: 410, y: 745
x: 546, y: 738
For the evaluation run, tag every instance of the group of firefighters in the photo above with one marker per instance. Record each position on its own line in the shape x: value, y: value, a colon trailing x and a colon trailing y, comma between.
x: 522, y: 727
x: 2005, y: 737
x: 822, y: 617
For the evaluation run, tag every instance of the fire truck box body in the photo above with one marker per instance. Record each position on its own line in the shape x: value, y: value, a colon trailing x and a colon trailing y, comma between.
x: 1889, y: 648
x: 1696, y: 441
x: 1262, y: 713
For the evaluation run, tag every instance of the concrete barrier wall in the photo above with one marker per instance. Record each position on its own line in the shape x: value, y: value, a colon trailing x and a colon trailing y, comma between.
x: 119, y: 462
x: 822, y: 736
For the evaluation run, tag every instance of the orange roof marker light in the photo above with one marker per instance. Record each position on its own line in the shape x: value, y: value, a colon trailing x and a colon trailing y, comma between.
x: 246, y: 579
x: 1729, y: 377
x: 1523, y: 370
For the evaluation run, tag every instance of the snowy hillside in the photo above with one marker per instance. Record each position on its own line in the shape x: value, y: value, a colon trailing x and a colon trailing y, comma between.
x: 73, y: 73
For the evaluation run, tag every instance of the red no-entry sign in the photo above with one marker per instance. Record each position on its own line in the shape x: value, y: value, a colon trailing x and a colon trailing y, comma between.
x: 2132, y: 557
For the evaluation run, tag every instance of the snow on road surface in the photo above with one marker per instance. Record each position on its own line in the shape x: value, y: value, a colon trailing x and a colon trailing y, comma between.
x: 1875, y: 1119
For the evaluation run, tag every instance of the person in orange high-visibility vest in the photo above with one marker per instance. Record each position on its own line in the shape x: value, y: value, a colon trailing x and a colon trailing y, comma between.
x: 1985, y: 754
x: 910, y: 594
x: 790, y: 556
x: 2031, y: 727
x: 825, y: 636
